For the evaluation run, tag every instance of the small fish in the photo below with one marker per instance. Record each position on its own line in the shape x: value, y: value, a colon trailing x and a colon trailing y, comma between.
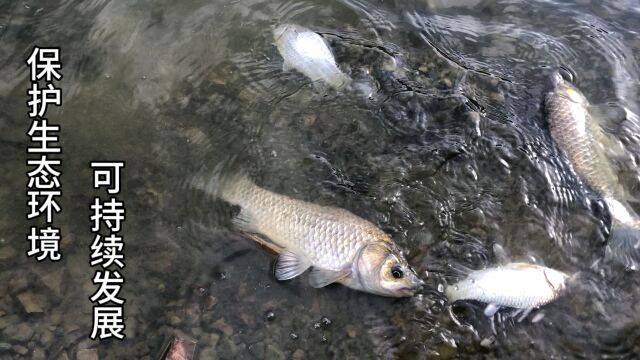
x: 340, y: 246
x: 307, y: 52
x: 179, y: 349
x: 577, y: 134
x: 516, y: 285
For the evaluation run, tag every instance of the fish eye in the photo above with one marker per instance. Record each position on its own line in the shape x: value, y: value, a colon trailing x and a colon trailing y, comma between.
x: 396, y: 272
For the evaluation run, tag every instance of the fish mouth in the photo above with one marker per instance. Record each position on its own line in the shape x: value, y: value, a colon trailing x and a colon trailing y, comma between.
x: 409, y: 290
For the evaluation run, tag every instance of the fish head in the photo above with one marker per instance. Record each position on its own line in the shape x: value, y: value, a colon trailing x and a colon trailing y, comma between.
x: 556, y: 279
x: 570, y: 92
x: 383, y: 270
x: 283, y: 29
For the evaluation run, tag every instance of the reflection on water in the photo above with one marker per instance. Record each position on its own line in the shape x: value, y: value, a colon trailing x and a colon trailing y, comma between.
x: 450, y: 155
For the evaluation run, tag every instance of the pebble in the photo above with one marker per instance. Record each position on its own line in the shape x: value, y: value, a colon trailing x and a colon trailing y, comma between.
x: 423, y: 68
x: 227, y: 347
x: 273, y: 353
x: 19, y: 349
x: 221, y: 325
x: 270, y: 316
x: 309, y: 119
x: 63, y: 356
x: 257, y: 350
x: 53, y: 280
x: 32, y: 303
x: 298, y: 355
x: 210, y: 302
x: 87, y: 354
x: 8, y: 320
x: 351, y: 331
x: 208, y: 353
x: 21, y: 332
x: 7, y: 252
x: 47, y: 337
x: 175, y: 320
x: 38, y: 354
x: 212, y: 340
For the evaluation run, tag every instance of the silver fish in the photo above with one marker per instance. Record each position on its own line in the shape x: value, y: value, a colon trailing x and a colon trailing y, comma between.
x: 577, y: 134
x: 307, y: 52
x: 516, y: 285
x: 340, y: 246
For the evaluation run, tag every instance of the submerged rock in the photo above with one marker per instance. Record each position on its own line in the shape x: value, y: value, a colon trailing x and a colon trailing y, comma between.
x: 7, y: 252
x: 32, y: 303
x: 21, y: 332
x: 87, y: 354
x: 274, y: 353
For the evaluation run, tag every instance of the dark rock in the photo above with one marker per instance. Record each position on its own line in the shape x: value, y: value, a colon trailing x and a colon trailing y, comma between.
x: 257, y: 350
x: 19, y: 349
x: 274, y: 353
x: 5, y: 321
x: 38, y: 354
x: 21, y: 332
x: 6, y: 252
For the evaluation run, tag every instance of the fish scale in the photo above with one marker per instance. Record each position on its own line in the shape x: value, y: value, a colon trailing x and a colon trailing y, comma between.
x: 571, y: 127
x: 329, y: 237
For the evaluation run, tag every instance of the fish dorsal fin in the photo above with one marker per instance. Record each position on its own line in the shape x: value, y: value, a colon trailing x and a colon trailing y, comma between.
x: 290, y: 265
x: 500, y: 254
x: 323, y: 277
x: 491, y: 310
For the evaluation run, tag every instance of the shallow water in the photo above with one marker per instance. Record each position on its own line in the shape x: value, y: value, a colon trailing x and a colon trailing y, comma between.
x: 450, y: 154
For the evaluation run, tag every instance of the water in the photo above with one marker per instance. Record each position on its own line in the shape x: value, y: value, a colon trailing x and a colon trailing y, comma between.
x: 449, y: 155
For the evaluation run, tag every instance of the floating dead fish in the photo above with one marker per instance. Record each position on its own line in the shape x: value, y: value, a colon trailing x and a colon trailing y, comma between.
x: 340, y: 246
x: 575, y: 131
x: 307, y: 52
x: 516, y: 285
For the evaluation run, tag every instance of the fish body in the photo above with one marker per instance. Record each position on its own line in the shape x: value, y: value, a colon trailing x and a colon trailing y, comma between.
x: 307, y: 52
x: 577, y: 134
x: 516, y: 285
x: 340, y: 246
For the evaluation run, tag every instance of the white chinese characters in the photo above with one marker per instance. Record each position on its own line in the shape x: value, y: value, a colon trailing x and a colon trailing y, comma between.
x: 107, y: 216
x: 43, y: 186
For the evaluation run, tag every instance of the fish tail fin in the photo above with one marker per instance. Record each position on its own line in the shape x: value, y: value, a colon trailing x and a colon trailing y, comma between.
x: 624, y: 245
x: 231, y: 187
x: 235, y: 188
x: 624, y: 240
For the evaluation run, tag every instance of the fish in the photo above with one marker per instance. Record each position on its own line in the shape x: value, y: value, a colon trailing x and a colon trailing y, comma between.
x: 307, y: 52
x: 338, y: 246
x: 516, y: 285
x: 576, y: 132
x: 179, y: 349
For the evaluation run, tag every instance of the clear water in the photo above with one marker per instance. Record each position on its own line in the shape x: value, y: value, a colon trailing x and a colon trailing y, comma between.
x: 450, y: 154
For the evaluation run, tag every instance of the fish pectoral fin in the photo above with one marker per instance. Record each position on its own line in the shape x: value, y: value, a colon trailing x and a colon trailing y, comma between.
x: 525, y: 313
x: 290, y: 265
x: 286, y: 67
x: 323, y: 277
x: 491, y: 310
x: 263, y: 242
x: 500, y: 254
